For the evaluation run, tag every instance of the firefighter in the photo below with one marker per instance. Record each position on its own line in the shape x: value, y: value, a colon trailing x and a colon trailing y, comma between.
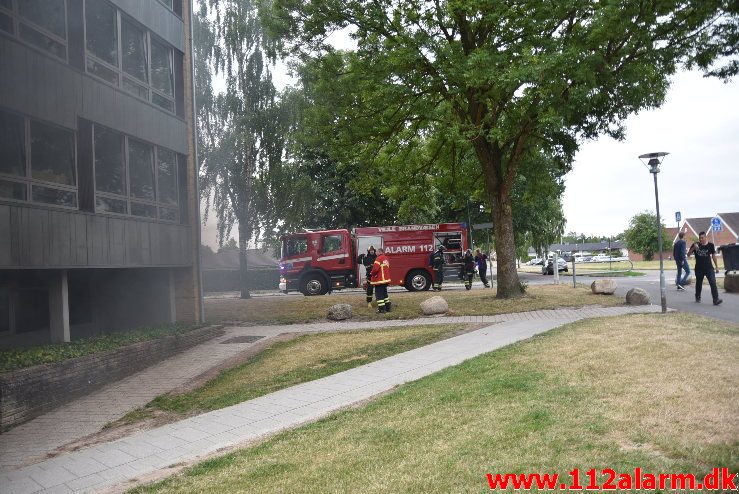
x: 380, y: 278
x: 368, y: 260
x: 436, y: 261
x: 468, y: 269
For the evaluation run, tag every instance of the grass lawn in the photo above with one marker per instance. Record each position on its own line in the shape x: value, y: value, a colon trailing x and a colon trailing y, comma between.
x: 288, y: 363
x: 650, y: 391
x: 18, y: 358
x: 297, y: 309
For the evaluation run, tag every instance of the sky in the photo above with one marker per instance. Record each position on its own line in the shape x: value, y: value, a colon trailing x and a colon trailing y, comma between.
x: 698, y: 125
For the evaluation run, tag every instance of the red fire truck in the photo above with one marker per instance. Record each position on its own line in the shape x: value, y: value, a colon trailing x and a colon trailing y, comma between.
x: 316, y: 262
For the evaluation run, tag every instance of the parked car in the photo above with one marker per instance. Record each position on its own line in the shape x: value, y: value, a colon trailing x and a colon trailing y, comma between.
x: 582, y: 259
x: 534, y: 262
x: 600, y: 258
x: 548, y: 267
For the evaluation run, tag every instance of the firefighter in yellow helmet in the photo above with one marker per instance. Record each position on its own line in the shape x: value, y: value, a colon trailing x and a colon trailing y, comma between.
x: 380, y: 278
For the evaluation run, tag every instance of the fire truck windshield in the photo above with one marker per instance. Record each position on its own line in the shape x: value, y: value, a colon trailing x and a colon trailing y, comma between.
x: 292, y: 246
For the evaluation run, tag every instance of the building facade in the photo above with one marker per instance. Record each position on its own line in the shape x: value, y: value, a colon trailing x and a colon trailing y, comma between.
x: 99, y: 225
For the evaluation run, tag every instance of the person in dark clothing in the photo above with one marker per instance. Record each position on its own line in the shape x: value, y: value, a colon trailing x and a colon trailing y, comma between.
x: 436, y: 261
x: 468, y: 269
x: 679, y: 254
x: 368, y: 260
x: 482, y: 267
x: 704, y: 252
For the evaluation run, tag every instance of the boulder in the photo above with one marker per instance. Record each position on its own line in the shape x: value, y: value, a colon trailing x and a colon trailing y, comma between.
x: 434, y: 305
x: 637, y: 296
x: 731, y: 283
x: 339, y: 312
x: 603, y: 286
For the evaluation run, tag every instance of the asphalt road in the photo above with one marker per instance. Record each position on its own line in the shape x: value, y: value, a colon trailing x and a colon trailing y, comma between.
x: 684, y: 301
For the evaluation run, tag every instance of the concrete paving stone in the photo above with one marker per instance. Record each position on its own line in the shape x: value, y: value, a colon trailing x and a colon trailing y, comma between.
x: 52, y: 477
x: 249, y: 414
x: 115, y: 474
x: 57, y: 489
x: 112, y: 457
x: 149, y: 464
x: 137, y: 448
x: 24, y: 485
x: 188, y: 434
x: 83, y: 465
x: 82, y: 483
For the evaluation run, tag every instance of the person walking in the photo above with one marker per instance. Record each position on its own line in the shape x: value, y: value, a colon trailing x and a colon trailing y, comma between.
x: 482, y: 267
x: 368, y: 260
x: 704, y: 252
x: 680, y: 255
x: 380, y: 278
x: 468, y: 269
x: 437, y: 262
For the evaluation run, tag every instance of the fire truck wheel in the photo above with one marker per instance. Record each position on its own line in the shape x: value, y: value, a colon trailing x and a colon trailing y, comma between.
x: 314, y: 284
x: 417, y: 280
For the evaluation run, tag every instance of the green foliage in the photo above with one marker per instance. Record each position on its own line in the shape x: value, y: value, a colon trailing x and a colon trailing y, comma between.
x: 642, y: 235
x: 502, y: 86
x: 19, y: 358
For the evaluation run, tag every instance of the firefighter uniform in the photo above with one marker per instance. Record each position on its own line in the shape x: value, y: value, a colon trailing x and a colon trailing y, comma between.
x: 368, y: 260
x: 468, y: 269
x: 436, y: 261
x: 380, y: 278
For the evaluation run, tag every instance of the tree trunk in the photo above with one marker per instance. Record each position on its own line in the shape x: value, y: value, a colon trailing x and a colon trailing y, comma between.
x: 243, y: 274
x: 498, y: 189
x: 505, y: 247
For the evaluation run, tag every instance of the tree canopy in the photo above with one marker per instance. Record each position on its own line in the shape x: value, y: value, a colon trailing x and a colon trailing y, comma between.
x: 642, y: 235
x: 514, y: 81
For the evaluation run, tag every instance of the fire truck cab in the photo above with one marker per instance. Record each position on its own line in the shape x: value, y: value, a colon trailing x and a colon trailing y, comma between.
x: 316, y: 262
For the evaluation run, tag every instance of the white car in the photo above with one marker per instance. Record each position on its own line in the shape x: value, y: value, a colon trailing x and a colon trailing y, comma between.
x: 600, y: 258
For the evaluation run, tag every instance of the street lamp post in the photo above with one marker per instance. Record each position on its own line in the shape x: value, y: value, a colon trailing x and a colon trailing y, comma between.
x: 655, y: 159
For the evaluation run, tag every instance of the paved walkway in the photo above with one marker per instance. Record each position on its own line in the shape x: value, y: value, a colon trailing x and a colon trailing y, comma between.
x: 108, y: 464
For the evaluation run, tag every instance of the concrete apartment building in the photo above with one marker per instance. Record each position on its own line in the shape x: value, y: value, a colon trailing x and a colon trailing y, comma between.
x: 99, y: 222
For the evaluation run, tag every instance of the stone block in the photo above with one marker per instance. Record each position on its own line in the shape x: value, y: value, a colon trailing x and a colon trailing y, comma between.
x: 604, y: 286
x: 637, y: 296
x: 340, y: 312
x: 434, y: 305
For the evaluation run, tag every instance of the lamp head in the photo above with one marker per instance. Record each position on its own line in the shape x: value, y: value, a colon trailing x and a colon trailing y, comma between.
x: 655, y: 159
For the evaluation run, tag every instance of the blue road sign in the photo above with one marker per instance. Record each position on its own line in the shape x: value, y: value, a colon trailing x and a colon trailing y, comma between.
x: 678, y: 217
x: 716, y: 224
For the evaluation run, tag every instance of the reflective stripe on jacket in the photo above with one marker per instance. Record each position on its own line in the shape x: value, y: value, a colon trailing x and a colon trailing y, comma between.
x: 380, y: 274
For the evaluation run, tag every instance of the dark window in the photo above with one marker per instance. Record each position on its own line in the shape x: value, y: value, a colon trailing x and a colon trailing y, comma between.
x: 145, y: 210
x: 13, y: 190
x: 162, y: 78
x: 133, y: 42
x: 168, y: 214
x: 168, y: 3
x: 42, y: 41
x: 294, y: 246
x: 102, y: 71
x: 110, y: 165
x: 102, y: 31
x: 57, y: 197
x: 167, y: 179
x: 8, y: 4
x: 48, y: 14
x: 141, y: 170
x: 331, y: 243
x: 110, y: 205
x: 4, y: 309
x: 12, y: 147
x: 52, y: 154
x: 6, y: 23
x: 32, y: 310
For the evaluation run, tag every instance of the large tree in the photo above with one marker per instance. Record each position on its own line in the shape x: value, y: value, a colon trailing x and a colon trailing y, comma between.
x: 241, y: 129
x: 509, y: 78
x: 642, y: 235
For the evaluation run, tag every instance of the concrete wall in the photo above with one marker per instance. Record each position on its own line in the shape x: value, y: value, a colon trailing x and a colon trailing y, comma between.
x: 27, y: 393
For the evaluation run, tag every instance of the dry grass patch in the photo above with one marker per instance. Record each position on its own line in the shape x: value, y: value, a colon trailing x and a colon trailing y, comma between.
x: 653, y: 391
x: 290, y: 310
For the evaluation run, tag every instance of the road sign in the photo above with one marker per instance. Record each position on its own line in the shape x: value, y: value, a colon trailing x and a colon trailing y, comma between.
x: 678, y: 217
x: 716, y: 224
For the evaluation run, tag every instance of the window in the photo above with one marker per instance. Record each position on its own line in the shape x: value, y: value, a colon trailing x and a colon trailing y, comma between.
x: 331, y: 243
x: 41, y: 23
x: 133, y: 177
x: 102, y: 32
x: 294, y: 246
x: 125, y: 54
x: 37, y: 161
